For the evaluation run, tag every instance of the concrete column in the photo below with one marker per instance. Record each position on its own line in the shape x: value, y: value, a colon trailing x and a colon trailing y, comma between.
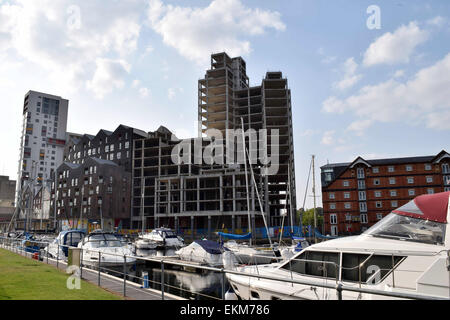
x: 176, y: 224
x: 233, y: 223
x: 198, y: 194
x: 234, y: 193
x: 221, y: 193
x: 192, y: 227
x: 209, y: 227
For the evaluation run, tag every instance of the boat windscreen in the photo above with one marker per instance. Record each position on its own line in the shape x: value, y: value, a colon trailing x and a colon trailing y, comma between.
x: 399, y: 227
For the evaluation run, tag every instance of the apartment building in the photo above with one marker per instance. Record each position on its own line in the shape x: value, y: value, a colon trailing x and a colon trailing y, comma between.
x: 90, y: 161
x: 356, y: 195
x: 96, y: 190
x: 7, y: 193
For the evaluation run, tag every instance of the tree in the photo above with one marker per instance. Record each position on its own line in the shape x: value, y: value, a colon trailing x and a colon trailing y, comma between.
x: 308, y: 217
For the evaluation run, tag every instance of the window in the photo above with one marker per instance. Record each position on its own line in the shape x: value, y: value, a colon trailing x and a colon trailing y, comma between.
x: 391, y: 180
x: 377, y: 194
x: 394, y: 204
x: 347, y: 205
x: 376, y: 182
x: 127, y: 144
x: 446, y: 180
x: 345, y: 183
x: 332, y: 206
x: 363, y: 207
x: 361, y: 184
x: 378, y: 204
x: 333, y: 219
x: 379, y: 216
x: 411, y: 192
x: 372, y: 266
x: 393, y: 193
x: 375, y: 170
x: 391, y: 169
x: 409, y: 168
x: 119, y: 155
x: 445, y: 168
x: 362, y: 195
x: 346, y: 195
x: 360, y: 173
x: 430, y: 190
x: 429, y: 179
x: 331, y: 195
x: 410, y: 180
x: 111, y: 148
x: 427, y: 167
x: 334, y: 230
x: 316, y: 263
x: 364, y: 219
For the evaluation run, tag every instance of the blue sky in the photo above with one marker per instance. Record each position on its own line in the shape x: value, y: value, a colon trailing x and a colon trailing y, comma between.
x: 355, y: 91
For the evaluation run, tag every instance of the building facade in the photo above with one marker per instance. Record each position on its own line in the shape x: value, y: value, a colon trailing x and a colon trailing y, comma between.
x: 7, y: 194
x: 89, y: 196
x: 94, y: 191
x: 357, y: 195
x: 199, y: 194
x: 42, y: 143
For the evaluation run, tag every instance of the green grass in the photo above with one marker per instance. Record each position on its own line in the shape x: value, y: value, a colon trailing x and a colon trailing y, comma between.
x: 25, y: 279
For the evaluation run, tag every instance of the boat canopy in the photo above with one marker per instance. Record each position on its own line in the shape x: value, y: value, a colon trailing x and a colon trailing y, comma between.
x: 211, y: 247
x: 235, y: 236
x: 431, y: 207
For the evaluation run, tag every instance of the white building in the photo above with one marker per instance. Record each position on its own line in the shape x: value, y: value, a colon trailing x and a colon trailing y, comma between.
x: 42, y: 141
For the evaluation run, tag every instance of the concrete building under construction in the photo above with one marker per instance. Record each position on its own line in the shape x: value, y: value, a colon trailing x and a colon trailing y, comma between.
x: 202, y: 194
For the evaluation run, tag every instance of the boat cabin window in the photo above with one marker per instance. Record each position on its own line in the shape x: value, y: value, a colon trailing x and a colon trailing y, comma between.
x: 104, y: 240
x: 399, y: 227
x: 315, y: 263
x: 374, y: 268
x: 73, y: 238
x: 168, y: 234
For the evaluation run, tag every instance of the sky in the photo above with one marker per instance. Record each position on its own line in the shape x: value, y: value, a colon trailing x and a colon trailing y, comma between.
x: 367, y: 78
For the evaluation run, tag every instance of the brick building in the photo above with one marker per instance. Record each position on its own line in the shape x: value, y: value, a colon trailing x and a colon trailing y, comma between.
x: 356, y: 195
x: 95, y: 191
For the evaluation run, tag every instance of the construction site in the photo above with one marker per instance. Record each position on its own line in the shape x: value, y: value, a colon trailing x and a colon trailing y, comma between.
x: 209, y: 195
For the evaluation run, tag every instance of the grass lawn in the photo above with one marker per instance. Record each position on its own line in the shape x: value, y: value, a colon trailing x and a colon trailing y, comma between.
x: 25, y: 279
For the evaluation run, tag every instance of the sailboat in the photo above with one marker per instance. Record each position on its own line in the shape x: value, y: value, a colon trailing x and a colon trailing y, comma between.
x: 245, y: 253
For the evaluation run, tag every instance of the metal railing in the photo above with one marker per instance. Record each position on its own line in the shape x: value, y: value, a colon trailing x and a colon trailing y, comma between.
x: 15, y: 245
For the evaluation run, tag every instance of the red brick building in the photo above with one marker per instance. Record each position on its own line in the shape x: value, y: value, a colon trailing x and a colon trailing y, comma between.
x: 356, y: 195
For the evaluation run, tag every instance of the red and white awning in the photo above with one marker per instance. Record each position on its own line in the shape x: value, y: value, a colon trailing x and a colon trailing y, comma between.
x: 428, y: 207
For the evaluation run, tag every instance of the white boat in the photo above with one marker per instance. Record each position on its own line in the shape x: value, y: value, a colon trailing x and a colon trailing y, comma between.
x: 164, y: 238
x: 246, y: 254
x: 144, y: 242
x: 64, y: 240
x: 112, y: 250
x: 204, y: 252
x: 405, y: 253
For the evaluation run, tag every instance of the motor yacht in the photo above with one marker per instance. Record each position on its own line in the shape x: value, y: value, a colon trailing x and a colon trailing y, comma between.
x: 110, y: 248
x: 164, y: 238
x: 145, y: 242
x: 59, y: 247
x: 246, y: 254
x: 406, y: 253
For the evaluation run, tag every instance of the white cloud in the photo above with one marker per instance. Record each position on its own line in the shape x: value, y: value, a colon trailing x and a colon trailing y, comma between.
x: 67, y: 40
x: 325, y: 58
x: 328, y: 137
x: 144, y: 92
x: 350, y: 76
x: 223, y: 25
x: 423, y: 100
x: 399, y: 73
x: 437, y: 21
x: 108, y: 76
x: 397, y: 47
x: 359, y: 126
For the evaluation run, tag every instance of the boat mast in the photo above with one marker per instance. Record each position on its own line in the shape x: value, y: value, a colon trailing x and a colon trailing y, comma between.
x: 142, y: 204
x: 246, y: 181
x: 314, y: 196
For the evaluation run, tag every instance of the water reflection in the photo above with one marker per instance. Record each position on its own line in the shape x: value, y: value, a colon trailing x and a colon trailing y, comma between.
x: 195, y: 284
